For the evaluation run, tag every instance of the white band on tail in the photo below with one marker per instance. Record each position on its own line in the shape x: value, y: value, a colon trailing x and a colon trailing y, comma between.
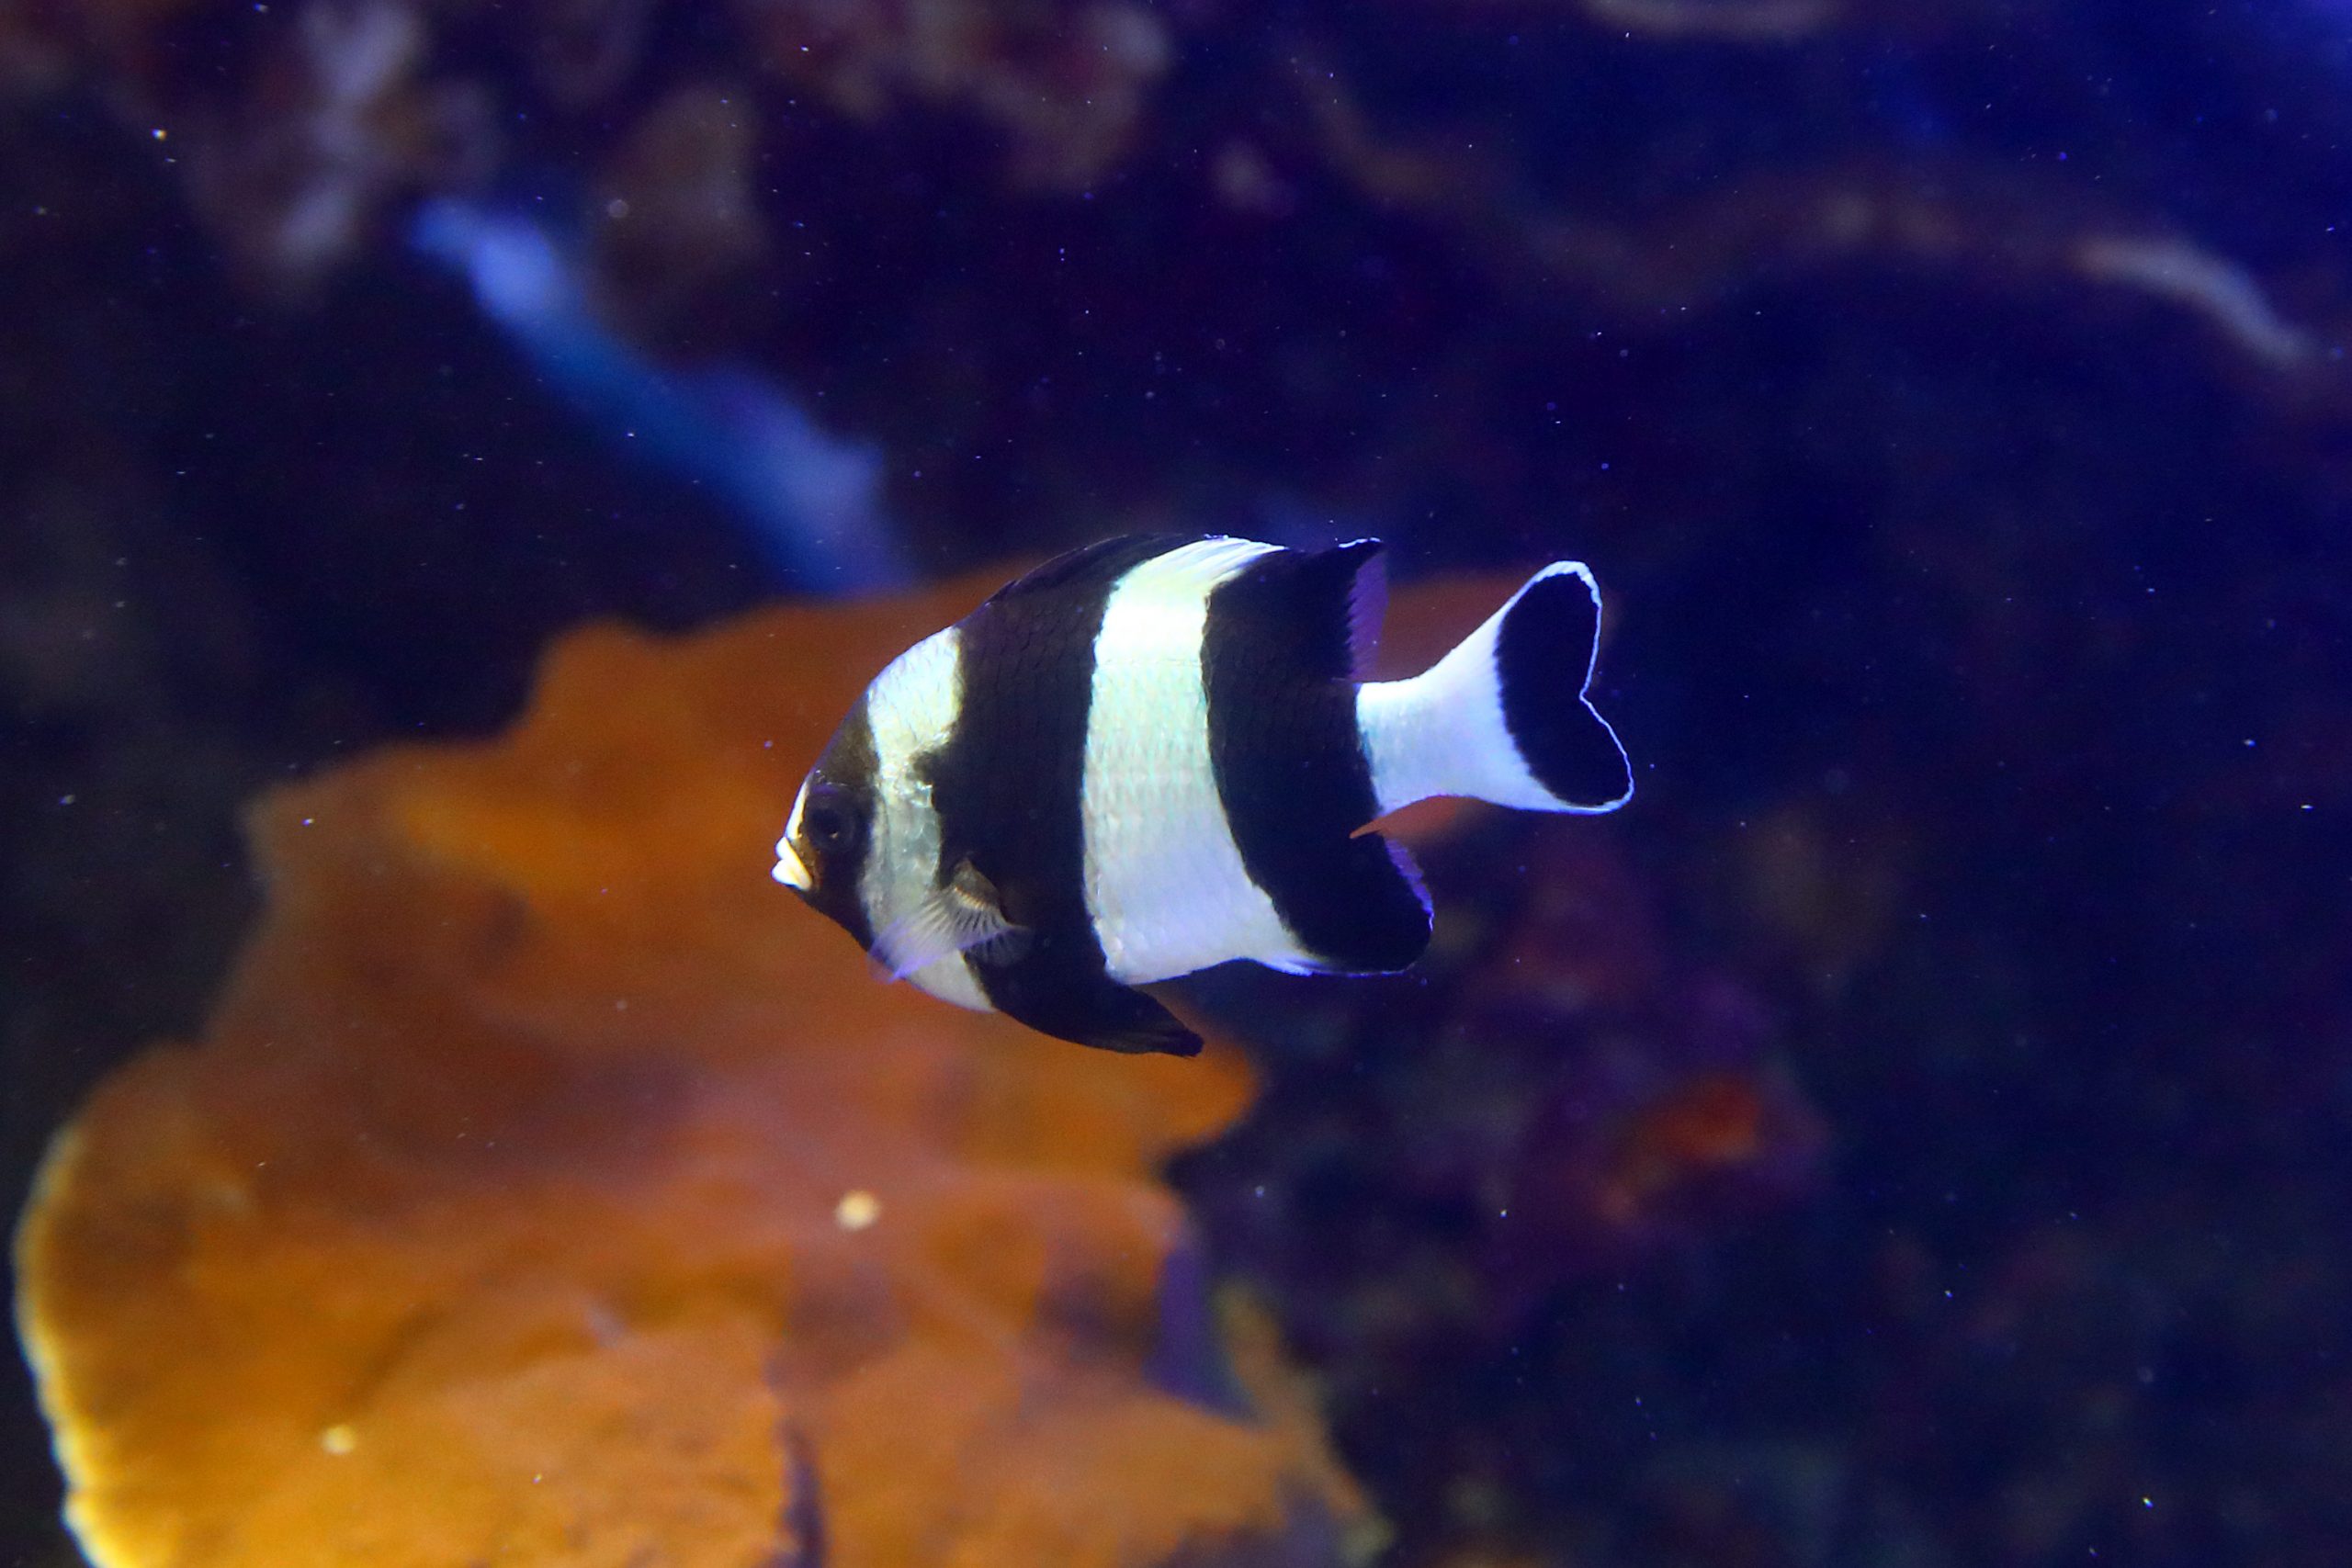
x: 1444, y: 732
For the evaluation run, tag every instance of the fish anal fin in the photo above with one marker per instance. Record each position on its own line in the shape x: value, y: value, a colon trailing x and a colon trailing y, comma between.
x: 963, y: 916
x: 1376, y: 916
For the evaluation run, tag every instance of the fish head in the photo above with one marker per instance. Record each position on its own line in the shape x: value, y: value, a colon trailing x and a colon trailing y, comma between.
x: 823, y: 854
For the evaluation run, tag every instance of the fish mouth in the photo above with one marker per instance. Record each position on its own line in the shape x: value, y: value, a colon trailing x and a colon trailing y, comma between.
x: 791, y: 869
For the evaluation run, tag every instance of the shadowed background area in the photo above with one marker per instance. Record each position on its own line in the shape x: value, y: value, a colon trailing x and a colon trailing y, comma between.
x: 1912, y: 1132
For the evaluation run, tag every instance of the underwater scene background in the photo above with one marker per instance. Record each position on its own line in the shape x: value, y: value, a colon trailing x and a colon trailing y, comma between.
x: 1913, y: 1132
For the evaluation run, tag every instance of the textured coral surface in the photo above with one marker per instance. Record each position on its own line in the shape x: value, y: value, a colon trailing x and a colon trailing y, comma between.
x: 551, y: 1188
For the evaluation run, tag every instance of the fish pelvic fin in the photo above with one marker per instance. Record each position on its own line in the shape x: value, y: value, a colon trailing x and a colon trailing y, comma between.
x: 1506, y: 716
x: 1091, y: 1010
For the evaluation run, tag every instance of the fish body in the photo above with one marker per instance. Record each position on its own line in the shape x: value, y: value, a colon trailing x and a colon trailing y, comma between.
x: 1156, y: 754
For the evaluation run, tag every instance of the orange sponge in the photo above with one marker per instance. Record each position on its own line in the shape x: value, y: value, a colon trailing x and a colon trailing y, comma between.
x: 550, y: 1188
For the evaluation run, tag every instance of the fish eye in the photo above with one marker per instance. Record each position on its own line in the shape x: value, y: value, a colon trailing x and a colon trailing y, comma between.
x: 827, y: 820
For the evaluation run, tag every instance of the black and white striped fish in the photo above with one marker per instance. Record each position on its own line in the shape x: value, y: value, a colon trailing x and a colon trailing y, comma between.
x: 1154, y: 754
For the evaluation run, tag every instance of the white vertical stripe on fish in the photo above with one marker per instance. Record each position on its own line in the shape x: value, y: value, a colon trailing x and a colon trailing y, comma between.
x: 1153, y: 753
x: 790, y: 869
x: 1165, y: 885
x: 1444, y: 732
x: 911, y: 707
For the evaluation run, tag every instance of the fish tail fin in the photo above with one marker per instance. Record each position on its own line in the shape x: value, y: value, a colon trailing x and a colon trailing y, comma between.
x: 1504, y: 716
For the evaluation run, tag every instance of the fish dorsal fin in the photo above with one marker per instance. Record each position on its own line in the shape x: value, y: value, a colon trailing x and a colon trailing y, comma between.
x: 965, y: 916
x: 1367, y: 603
x: 1323, y: 608
x: 1106, y: 560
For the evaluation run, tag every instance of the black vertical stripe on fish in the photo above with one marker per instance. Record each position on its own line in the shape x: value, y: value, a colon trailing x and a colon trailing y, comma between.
x: 1227, y: 782
x: 844, y: 783
x: 1290, y: 763
x: 1007, y: 786
x: 1544, y: 656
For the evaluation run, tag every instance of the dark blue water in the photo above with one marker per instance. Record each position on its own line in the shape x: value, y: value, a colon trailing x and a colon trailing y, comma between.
x: 1951, y: 398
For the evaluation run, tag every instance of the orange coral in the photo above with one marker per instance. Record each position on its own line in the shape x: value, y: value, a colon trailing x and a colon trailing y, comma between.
x: 1708, y: 1124
x: 552, y: 1189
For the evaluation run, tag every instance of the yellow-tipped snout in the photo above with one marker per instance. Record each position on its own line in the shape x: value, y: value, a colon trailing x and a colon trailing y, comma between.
x: 790, y: 869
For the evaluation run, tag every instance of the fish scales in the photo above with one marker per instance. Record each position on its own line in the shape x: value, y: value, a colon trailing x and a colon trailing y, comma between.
x: 1153, y: 755
x: 1166, y: 885
x: 1008, y: 784
x: 911, y: 714
x: 1291, y: 769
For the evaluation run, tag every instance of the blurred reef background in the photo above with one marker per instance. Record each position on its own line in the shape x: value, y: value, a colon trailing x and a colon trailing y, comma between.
x: 1914, y: 1133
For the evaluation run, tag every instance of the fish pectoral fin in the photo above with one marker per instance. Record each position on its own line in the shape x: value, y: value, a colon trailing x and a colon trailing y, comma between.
x: 962, y: 917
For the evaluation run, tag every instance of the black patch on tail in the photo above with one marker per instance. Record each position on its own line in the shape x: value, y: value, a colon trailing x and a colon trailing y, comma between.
x: 1007, y: 788
x: 1544, y: 656
x: 1276, y: 658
